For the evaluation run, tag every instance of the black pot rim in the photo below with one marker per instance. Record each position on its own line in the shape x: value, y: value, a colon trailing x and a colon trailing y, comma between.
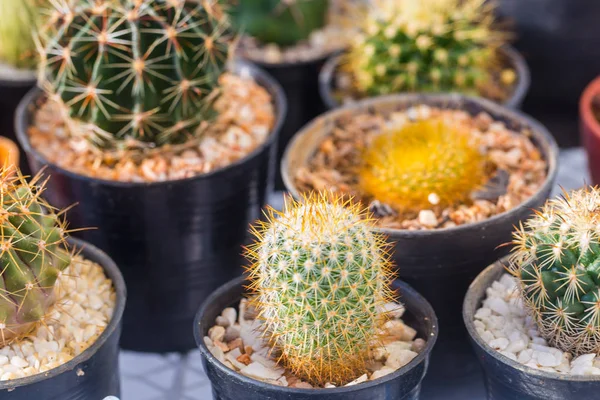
x: 519, y: 64
x: 240, y: 68
x: 25, y: 82
x: 114, y: 274
x: 485, y: 278
x: 429, y: 343
x: 540, y: 133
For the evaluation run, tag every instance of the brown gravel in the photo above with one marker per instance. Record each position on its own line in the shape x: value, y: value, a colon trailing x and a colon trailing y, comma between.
x: 245, y: 118
x: 520, y: 169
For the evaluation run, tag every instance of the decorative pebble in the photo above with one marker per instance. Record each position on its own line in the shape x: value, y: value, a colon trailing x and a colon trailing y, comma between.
x: 504, y: 324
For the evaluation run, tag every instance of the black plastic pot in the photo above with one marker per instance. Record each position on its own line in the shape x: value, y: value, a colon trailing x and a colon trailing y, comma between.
x: 440, y: 264
x: 12, y: 92
x: 174, y: 241
x: 327, y: 81
x: 300, y: 83
x: 507, y: 379
x: 92, y: 375
x: 404, y: 384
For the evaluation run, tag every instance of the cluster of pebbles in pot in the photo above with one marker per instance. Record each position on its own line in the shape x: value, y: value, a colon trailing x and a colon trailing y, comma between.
x: 504, y: 324
x: 235, y: 341
x: 85, y: 301
x: 331, y: 38
x: 519, y: 169
x: 245, y: 118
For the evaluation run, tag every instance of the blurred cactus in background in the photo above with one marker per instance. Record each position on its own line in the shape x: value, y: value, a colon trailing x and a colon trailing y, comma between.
x: 18, y: 21
x: 428, y: 45
x: 283, y: 22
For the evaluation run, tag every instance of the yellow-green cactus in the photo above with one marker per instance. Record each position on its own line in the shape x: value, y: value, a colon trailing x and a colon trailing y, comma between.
x: 18, y: 20
x: 426, y: 45
x: 320, y: 274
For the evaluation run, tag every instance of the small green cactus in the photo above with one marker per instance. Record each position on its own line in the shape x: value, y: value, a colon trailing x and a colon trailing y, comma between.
x: 18, y: 20
x: 283, y: 22
x: 557, y: 262
x: 426, y: 45
x: 320, y: 274
x: 137, y: 71
x: 32, y: 255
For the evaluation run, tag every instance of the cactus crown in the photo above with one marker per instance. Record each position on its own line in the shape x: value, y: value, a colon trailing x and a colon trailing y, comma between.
x: 426, y: 45
x: 557, y: 262
x: 283, y: 22
x: 134, y: 71
x: 320, y: 275
x: 32, y: 255
x: 423, y: 162
x: 19, y: 19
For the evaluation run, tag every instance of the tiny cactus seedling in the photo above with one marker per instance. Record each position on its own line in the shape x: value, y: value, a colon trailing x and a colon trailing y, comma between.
x: 426, y: 45
x: 18, y: 19
x: 556, y: 260
x: 423, y: 163
x: 320, y: 275
x: 135, y: 71
x: 283, y: 22
x: 32, y: 255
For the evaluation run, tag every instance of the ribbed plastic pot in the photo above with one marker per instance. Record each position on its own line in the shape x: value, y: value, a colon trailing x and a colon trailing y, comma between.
x: 175, y: 241
x: 12, y: 92
x: 507, y: 379
x: 404, y: 384
x: 92, y: 375
x: 440, y: 264
x: 590, y: 128
x: 300, y: 83
x: 327, y: 81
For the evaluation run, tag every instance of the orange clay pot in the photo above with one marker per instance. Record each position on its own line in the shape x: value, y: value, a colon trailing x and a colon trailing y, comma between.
x: 9, y: 153
x: 590, y: 129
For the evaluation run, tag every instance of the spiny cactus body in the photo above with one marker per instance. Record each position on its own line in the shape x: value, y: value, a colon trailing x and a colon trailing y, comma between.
x: 557, y: 262
x: 18, y: 19
x: 422, y: 163
x: 320, y: 275
x: 143, y: 70
x: 283, y: 22
x: 426, y: 45
x: 32, y: 255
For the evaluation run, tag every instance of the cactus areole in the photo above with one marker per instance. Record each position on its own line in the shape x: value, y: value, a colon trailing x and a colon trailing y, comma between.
x: 134, y: 71
x: 32, y: 255
x: 320, y: 274
x: 557, y: 262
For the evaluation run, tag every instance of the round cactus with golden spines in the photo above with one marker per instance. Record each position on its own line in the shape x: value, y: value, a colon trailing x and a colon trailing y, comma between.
x: 320, y: 274
x: 425, y: 46
x: 556, y: 260
x: 422, y: 163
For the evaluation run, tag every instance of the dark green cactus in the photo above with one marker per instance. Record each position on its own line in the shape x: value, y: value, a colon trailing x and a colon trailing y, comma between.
x: 557, y: 262
x: 283, y: 22
x: 143, y: 70
x: 33, y: 254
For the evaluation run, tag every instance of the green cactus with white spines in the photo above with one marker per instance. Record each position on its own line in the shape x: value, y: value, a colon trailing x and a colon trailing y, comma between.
x: 17, y: 22
x: 426, y: 45
x: 283, y: 22
x: 557, y: 262
x: 320, y: 274
x: 135, y: 71
x: 33, y: 253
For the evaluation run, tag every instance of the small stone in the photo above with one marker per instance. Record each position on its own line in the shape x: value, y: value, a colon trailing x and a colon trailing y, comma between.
x: 360, y: 379
x: 19, y: 362
x: 382, y: 372
x: 498, y: 305
x: 237, y: 343
x: 258, y: 371
x: 222, y: 321
x: 221, y: 345
x: 400, y: 358
x: 231, y: 314
x: 232, y: 333
x: 302, y: 385
x: 427, y: 218
x: 216, y: 333
x: 244, y: 359
x: 329, y: 386
x: 418, y: 345
x: 499, y: 343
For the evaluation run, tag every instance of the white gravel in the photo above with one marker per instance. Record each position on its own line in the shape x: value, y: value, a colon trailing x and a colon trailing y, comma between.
x: 504, y: 324
x: 84, y: 307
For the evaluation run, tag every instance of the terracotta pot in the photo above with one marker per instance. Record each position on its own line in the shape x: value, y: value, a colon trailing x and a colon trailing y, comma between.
x: 590, y: 128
